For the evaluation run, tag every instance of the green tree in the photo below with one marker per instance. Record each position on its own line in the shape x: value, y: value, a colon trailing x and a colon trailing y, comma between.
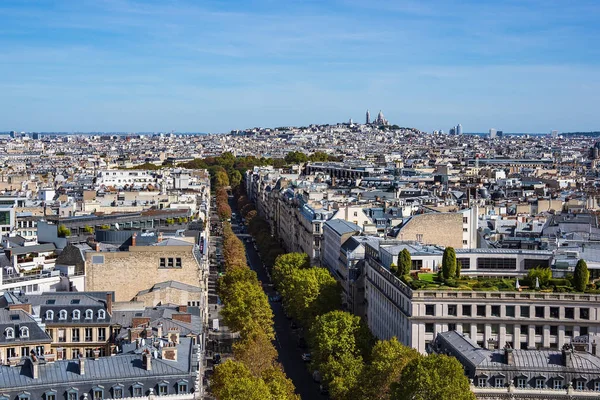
x: 232, y: 276
x: 296, y: 157
x: 319, y: 156
x: 449, y: 263
x: 285, y: 263
x: 256, y: 352
x: 394, y: 269
x: 458, y: 268
x: 543, y: 275
x: 404, y: 262
x: 233, y: 380
x: 235, y: 178
x: 247, y: 310
x: 280, y: 386
x: 221, y: 179
x: 438, y: 377
x: 88, y: 229
x: 388, y: 359
x: 63, y: 231
x: 341, y: 375
x: 581, y: 277
x: 332, y: 335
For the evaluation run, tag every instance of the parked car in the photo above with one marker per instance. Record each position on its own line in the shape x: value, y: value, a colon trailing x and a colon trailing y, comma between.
x: 306, y: 357
x: 217, y: 359
x: 275, y: 298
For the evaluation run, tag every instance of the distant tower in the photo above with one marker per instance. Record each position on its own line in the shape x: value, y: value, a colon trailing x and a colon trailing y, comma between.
x: 554, y: 134
x: 368, y: 118
x: 492, y: 133
x: 459, y: 129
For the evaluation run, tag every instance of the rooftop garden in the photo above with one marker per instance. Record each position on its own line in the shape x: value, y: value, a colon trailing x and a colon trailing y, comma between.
x: 449, y: 278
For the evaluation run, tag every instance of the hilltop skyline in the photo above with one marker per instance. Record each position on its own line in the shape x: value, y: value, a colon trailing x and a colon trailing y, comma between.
x: 214, y: 67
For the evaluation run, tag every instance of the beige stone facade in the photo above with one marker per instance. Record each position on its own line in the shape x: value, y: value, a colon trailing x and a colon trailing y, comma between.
x: 129, y: 272
x: 170, y: 293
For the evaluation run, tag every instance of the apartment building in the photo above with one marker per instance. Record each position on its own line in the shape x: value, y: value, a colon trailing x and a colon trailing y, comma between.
x: 525, y: 320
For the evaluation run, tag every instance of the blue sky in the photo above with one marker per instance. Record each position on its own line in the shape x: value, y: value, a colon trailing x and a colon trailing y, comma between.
x: 213, y: 66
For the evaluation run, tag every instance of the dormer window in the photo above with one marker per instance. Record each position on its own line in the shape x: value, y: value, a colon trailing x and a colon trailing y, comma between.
x: 101, y: 314
x: 76, y: 314
x: 89, y: 314
x: 24, y: 332
x: 50, y: 314
x: 9, y: 333
x: 62, y: 314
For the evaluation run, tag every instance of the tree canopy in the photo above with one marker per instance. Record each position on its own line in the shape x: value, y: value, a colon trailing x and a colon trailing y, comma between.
x: 435, y: 376
x: 581, y: 277
x: 404, y: 262
x: 449, y: 263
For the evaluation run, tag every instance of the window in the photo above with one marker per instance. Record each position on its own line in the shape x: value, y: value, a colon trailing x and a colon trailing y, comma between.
x: 569, y: 331
x: 76, y: 314
x: 98, y: 393
x: 510, y: 311
x: 539, y: 383
x: 9, y: 333
x: 430, y: 309
x: 24, y: 396
x: 554, y: 330
x: 496, y: 263
x: 428, y: 328
x: 558, y: 384
x: 499, y: 382
x: 97, y: 259
x: 539, y: 312
x: 495, y: 311
x: 579, y: 385
x: 88, y: 334
x: 524, y: 311
x: 182, y: 387
x: 137, y: 390
x: 163, y: 263
x: 495, y: 328
x: 481, y: 311
x: 510, y: 329
x: 465, y: 241
x: 480, y: 328
x: 170, y: 262
x: 50, y: 314
x: 584, y: 313
x: 465, y: 263
x: 62, y: 337
x: 539, y: 330
x: 101, y: 314
x: 72, y: 394
x: 530, y: 263
x: 24, y: 332
x: 89, y: 314
x: 583, y: 330
x: 178, y: 262
x: 554, y: 312
x: 163, y: 389
x: 597, y: 386
x: 569, y: 313
x: 419, y: 237
x: 521, y: 383
x: 117, y: 392
x: 75, y: 335
x: 62, y: 314
x: 452, y: 310
x: 481, y: 381
x: 101, y: 334
x: 451, y: 327
x: 465, y: 220
x: 466, y: 310
x: 51, y: 395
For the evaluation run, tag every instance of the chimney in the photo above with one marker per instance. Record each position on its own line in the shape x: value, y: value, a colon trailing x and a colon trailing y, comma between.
x: 183, y: 317
x: 139, y: 321
x: 96, y: 354
x: 509, y: 357
x: 147, y: 361
x: 97, y: 246
x: 109, y: 303
x: 567, y: 353
x: 134, y: 239
x: 182, y: 309
x: 160, y: 237
x: 81, y: 365
x: 24, y: 307
x: 159, y: 330
x: 35, y: 373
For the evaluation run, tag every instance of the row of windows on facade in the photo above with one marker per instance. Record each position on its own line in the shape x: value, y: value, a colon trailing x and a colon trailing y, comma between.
x: 509, y: 311
x: 170, y: 262
x: 61, y: 353
x: 495, y: 329
x: 538, y: 383
x: 116, y: 392
x: 75, y: 337
x: 76, y: 314
x: 9, y: 333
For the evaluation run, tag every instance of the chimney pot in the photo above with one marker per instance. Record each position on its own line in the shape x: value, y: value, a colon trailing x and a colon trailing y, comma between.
x: 109, y: 303
x: 134, y: 239
x: 81, y: 365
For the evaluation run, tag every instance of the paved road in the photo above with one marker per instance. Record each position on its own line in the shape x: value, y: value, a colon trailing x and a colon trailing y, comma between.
x: 286, y: 339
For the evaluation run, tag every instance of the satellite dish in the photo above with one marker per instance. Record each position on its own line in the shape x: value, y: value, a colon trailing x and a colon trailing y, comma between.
x: 155, y: 354
x: 143, y: 342
x: 116, y: 225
